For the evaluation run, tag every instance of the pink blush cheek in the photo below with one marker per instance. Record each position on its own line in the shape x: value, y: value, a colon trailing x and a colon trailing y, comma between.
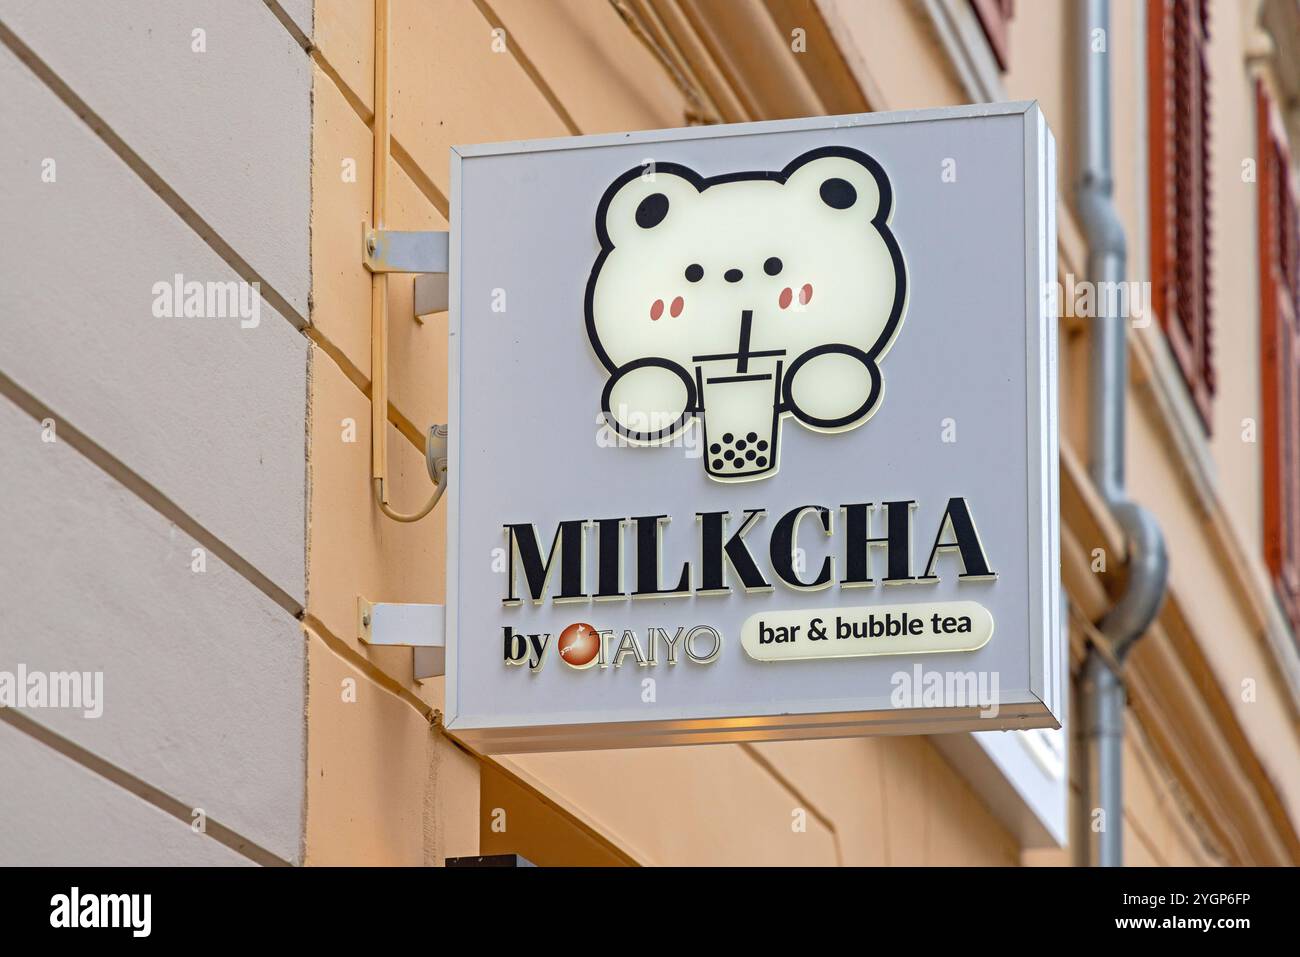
x: 676, y: 309
x: 656, y: 310
x: 786, y: 296
x: 805, y: 294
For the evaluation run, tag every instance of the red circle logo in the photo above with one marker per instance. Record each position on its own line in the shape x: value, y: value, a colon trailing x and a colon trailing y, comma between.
x: 579, y: 645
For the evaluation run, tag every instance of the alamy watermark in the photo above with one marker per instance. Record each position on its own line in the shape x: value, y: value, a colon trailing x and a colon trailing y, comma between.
x: 919, y: 688
x: 83, y: 690
x: 133, y: 912
x: 191, y: 299
x: 1085, y: 299
x: 660, y: 430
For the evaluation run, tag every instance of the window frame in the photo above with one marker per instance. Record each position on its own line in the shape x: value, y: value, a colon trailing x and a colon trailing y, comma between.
x: 1279, y: 317
x: 995, y: 19
x: 1179, y: 179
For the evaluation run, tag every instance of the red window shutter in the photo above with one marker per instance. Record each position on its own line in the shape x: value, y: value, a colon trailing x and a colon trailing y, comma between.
x: 1179, y: 173
x: 994, y: 17
x: 1279, y: 286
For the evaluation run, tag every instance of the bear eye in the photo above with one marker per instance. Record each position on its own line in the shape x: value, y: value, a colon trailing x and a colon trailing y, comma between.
x: 650, y: 212
x: 694, y: 272
x: 772, y: 266
x: 838, y: 193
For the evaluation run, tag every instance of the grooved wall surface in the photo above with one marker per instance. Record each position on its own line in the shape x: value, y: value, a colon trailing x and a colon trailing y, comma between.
x: 215, y: 98
x: 206, y: 411
x: 140, y: 142
x: 202, y: 674
x: 56, y: 812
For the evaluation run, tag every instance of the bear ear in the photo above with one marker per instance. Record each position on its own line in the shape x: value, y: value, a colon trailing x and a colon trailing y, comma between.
x: 843, y: 180
x: 643, y: 200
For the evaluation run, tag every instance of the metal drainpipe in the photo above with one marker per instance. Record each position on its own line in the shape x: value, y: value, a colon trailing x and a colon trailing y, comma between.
x: 1147, y: 562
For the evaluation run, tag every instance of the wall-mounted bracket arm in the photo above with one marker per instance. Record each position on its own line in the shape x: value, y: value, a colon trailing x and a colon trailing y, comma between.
x: 421, y: 253
x: 420, y: 627
x: 393, y: 250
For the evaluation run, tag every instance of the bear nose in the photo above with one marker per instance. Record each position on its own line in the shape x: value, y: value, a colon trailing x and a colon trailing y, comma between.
x: 733, y: 275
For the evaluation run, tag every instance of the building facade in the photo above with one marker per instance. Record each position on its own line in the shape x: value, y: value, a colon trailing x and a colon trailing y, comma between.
x: 188, y: 499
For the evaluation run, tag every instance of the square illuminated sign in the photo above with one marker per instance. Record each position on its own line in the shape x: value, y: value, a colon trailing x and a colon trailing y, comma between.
x: 753, y: 433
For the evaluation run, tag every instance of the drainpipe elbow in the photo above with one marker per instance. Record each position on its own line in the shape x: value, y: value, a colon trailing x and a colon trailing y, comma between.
x: 1101, y: 223
x: 1148, y: 570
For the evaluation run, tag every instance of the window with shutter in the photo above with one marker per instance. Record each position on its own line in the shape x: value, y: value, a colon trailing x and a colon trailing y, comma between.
x: 994, y: 16
x: 1178, y: 112
x: 1279, y: 284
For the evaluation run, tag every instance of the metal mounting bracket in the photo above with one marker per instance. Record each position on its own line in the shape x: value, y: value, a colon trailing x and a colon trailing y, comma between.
x: 424, y: 253
x: 419, y: 627
x: 392, y: 250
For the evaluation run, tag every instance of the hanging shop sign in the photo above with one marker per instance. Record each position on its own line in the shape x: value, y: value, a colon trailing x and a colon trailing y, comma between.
x: 753, y: 433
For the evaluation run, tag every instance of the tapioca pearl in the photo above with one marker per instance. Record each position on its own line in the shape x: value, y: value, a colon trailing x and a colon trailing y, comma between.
x: 784, y: 299
x: 675, y: 309
x: 740, y: 446
x: 656, y: 310
x: 728, y: 455
x: 761, y: 461
x: 728, y: 438
x: 751, y: 455
x: 715, y: 448
x: 717, y: 463
x: 805, y: 294
x: 762, y: 445
x: 739, y: 463
x: 752, y: 437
